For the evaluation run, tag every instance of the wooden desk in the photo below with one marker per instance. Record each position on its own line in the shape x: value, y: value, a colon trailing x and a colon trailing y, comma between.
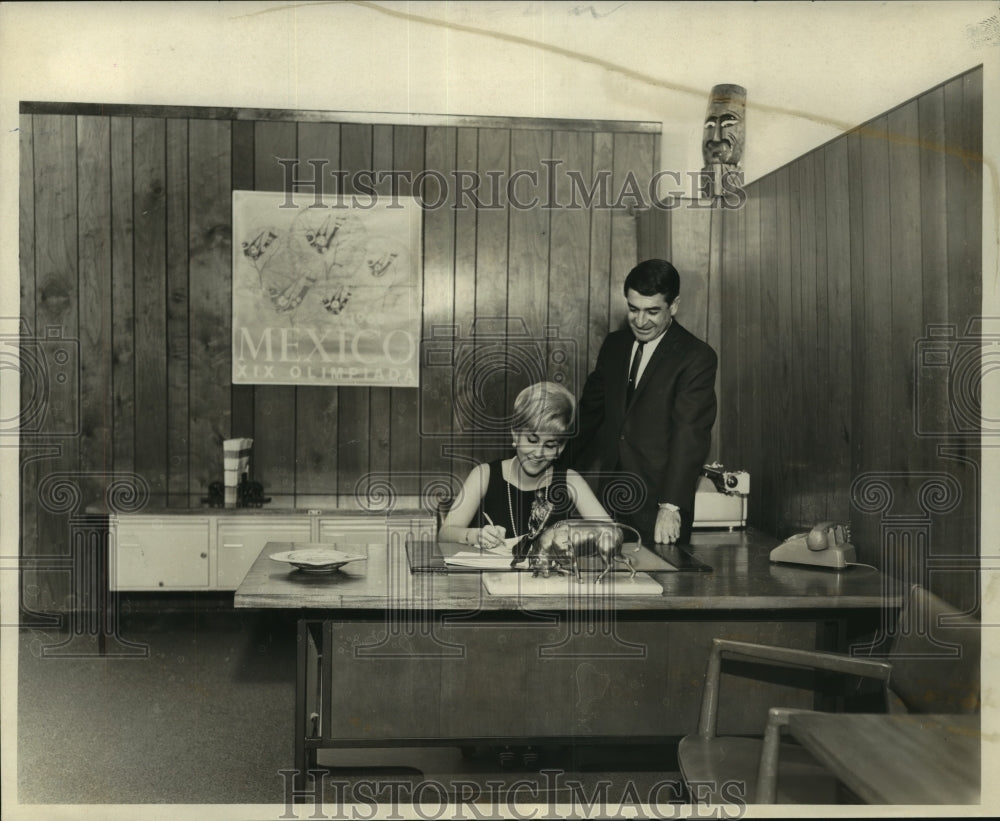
x: 741, y: 579
x: 387, y: 656
x: 897, y: 759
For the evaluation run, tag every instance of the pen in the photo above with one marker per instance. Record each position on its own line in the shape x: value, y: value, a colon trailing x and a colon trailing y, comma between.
x: 488, y: 519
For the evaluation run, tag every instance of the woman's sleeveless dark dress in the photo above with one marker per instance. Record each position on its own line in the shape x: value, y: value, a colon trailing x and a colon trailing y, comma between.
x: 495, y: 503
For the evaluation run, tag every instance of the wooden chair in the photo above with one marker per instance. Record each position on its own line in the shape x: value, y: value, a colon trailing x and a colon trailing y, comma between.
x: 932, y: 667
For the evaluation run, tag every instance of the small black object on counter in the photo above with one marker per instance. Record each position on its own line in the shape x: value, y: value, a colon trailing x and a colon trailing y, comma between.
x: 248, y: 494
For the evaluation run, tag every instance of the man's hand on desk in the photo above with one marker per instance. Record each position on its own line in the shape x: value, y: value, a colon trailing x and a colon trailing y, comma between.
x: 668, y: 525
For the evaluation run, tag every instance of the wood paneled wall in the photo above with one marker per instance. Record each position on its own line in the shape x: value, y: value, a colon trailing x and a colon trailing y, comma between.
x: 848, y: 281
x: 126, y: 259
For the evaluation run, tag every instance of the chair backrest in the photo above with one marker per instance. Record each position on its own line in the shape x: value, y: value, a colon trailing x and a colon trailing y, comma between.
x: 935, y: 656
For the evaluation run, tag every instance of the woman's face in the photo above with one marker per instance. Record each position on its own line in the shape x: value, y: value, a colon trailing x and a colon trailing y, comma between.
x: 536, y: 450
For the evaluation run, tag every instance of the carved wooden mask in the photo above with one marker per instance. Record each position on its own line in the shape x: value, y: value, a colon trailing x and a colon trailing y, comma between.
x: 724, y: 135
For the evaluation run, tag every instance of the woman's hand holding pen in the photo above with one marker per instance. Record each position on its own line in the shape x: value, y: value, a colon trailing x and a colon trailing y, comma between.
x: 492, y: 536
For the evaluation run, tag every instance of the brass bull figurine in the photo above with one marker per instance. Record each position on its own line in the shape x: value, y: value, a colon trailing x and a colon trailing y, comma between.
x: 559, y: 547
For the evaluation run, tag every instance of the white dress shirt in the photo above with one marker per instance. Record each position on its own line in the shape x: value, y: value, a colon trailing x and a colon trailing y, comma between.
x: 647, y: 354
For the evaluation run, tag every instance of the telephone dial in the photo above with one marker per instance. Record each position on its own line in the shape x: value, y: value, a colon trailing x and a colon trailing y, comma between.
x: 826, y: 545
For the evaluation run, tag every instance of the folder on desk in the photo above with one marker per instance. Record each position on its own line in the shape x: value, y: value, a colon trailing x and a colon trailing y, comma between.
x: 484, y: 560
x: 429, y: 556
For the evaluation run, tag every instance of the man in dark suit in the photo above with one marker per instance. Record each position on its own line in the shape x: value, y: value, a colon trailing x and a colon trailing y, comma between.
x: 647, y: 410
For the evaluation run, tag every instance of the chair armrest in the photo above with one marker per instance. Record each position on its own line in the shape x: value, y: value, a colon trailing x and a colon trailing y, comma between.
x: 833, y: 662
x: 767, y: 773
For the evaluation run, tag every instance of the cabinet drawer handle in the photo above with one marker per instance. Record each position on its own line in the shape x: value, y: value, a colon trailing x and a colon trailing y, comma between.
x: 204, y: 555
x: 160, y: 583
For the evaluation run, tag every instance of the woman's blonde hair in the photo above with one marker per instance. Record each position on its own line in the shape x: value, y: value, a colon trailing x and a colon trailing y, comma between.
x: 545, y: 407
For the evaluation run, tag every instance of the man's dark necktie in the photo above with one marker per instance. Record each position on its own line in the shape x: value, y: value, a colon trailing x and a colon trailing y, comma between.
x: 633, y: 374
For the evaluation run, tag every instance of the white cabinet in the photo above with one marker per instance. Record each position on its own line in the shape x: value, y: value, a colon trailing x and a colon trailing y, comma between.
x: 346, y: 530
x: 161, y: 553
x: 187, y: 551
x: 239, y: 543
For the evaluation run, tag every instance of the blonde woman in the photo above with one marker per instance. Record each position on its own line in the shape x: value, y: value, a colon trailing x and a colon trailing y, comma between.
x: 517, y: 497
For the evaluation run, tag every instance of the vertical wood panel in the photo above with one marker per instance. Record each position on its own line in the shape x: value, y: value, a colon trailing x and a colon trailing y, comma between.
x: 178, y: 304
x: 210, y: 288
x: 317, y: 407
x: 242, y: 403
x: 814, y: 414
x: 713, y: 318
x: 752, y: 429
x: 492, y: 354
x: 149, y: 218
x: 404, y: 432
x: 878, y: 286
x: 691, y: 245
x: 932, y: 402
x: 786, y: 503
x: 733, y: 446
x: 464, y: 423
x: 838, y: 317
x: 379, y: 398
x: 771, y: 376
x: 795, y: 346
x: 273, y: 459
x: 876, y: 336
x: 569, y: 259
x: 906, y: 289
x: 94, y: 243
x: 965, y: 590
x: 964, y: 130
x: 529, y: 265
x: 746, y: 309
x: 731, y: 340
x: 603, y: 287
x: 122, y: 294
x: 826, y: 426
x: 791, y: 516
x: 57, y: 329
x: 963, y: 137
x: 862, y: 531
x: 26, y: 236
x: 353, y: 428
x: 29, y: 467
x: 629, y: 190
x: 437, y: 359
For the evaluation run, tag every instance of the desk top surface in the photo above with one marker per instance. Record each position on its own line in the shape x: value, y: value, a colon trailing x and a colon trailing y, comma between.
x: 897, y: 759
x: 741, y: 578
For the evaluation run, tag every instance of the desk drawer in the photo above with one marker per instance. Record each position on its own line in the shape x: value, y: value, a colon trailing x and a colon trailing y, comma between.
x: 159, y: 554
x: 239, y: 544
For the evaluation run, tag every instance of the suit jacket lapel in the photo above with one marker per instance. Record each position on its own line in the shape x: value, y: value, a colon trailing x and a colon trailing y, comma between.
x: 662, y: 352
